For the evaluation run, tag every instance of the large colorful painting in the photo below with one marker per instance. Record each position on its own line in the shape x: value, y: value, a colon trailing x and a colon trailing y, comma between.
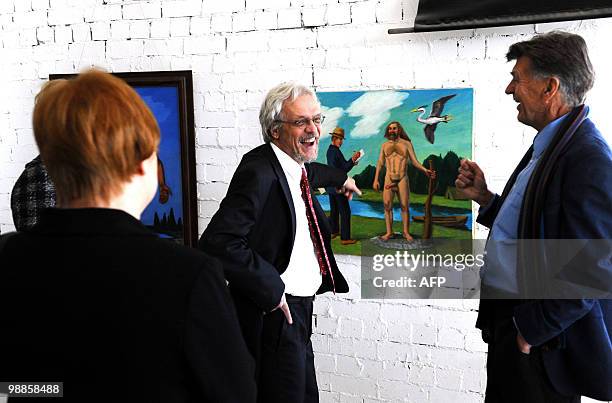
x: 400, y: 138
x: 169, y: 94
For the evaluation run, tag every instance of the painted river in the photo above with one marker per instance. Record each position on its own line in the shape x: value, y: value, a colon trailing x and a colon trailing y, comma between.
x: 375, y: 210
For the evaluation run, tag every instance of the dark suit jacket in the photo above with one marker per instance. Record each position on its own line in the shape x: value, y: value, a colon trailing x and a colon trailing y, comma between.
x: 336, y: 159
x: 92, y: 298
x: 578, y: 203
x: 253, y: 233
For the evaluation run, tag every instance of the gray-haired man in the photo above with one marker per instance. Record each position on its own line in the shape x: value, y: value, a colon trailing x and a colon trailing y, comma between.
x: 547, y: 350
x: 274, y: 241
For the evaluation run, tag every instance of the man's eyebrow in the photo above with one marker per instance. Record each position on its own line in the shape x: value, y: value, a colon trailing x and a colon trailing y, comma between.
x: 304, y: 116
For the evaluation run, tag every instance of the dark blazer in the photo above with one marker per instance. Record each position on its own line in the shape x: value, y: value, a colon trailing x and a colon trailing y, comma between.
x: 578, y: 203
x: 336, y: 159
x: 92, y: 298
x: 253, y: 233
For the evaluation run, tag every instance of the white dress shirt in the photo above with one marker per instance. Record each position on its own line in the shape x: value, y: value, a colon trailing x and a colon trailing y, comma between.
x: 303, y: 275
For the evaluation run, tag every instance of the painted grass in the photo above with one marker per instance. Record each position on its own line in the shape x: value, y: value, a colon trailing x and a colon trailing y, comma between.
x: 365, y: 228
x: 373, y: 196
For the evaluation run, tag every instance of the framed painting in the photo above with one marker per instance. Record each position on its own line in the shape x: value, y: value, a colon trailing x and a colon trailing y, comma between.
x: 169, y: 94
x: 398, y: 135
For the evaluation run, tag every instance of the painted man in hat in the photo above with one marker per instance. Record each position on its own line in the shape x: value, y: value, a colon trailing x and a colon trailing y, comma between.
x: 338, y: 203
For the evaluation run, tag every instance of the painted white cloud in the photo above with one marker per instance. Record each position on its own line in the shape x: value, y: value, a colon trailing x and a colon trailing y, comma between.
x: 332, y: 116
x: 373, y: 108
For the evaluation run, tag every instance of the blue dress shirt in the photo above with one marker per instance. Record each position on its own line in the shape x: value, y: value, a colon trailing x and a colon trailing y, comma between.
x: 499, y: 270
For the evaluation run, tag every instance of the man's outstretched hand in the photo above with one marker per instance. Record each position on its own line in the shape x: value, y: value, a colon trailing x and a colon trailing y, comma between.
x: 349, y: 188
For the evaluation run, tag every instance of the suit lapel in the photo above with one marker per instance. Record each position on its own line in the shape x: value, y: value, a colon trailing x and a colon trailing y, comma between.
x: 282, y: 179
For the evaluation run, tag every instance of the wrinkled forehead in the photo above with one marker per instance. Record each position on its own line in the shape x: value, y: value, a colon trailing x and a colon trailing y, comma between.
x: 522, y: 67
x: 303, y: 106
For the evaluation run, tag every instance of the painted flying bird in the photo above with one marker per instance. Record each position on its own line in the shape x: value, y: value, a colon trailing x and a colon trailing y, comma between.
x: 434, y: 117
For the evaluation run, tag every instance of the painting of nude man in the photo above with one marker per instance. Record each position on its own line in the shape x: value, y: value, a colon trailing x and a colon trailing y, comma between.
x: 395, y: 153
x: 403, y: 149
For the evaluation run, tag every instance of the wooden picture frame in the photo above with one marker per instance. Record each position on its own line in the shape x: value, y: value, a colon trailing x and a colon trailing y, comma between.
x: 169, y: 94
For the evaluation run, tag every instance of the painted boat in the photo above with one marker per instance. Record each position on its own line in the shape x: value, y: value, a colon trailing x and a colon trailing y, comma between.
x: 452, y: 221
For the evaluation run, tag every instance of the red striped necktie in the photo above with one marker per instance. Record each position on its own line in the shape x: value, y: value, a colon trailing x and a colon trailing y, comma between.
x: 315, y: 231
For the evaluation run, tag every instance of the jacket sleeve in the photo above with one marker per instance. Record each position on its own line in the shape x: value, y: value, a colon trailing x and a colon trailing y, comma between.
x: 321, y: 175
x: 541, y: 320
x: 226, y: 237
x: 487, y: 214
x: 223, y: 369
x: 585, y: 214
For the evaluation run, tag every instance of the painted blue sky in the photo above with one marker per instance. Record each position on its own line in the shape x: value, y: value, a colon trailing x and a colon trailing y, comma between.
x: 364, y: 115
x: 163, y: 102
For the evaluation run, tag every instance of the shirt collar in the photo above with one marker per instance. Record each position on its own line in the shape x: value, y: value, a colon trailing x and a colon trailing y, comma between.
x: 291, y: 168
x: 545, y: 136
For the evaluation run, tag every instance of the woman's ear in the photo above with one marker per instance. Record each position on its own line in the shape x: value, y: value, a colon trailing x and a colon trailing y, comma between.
x: 150, y: 163
x: 142, y: 166
x: 140, y: 170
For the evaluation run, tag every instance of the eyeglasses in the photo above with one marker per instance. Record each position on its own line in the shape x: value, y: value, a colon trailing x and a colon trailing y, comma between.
x: 303, y: 122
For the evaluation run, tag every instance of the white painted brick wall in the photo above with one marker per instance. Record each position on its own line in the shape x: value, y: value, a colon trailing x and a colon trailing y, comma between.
x: 142, y: 10
x: 266, y: 20
x: 363, y: 12
x: 63, y: 34
x: 289, y: 18
x: 182, y: 8
x: 120, y: 29
x: 221, y: 22
x: 338, y: 14
x: 81, y: 32
x: 139, y: 29
x: 243, y: 21
x: 389, y: 11
x: 100, y: 31
x: 225, y: 6
x: 199, y: 26
x: 103, y: 12
x: 266, y: 4
x: 65, y: 15
x: 312, y: 17
x: 160, y: 28
x: 365, y: 350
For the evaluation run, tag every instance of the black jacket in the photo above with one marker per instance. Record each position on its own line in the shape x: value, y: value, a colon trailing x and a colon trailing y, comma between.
x: 336, y: 159
x: 253, y: 233
x: 92, y: 298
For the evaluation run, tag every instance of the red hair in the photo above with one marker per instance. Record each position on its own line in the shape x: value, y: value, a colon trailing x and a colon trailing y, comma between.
x: 93, y: 132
